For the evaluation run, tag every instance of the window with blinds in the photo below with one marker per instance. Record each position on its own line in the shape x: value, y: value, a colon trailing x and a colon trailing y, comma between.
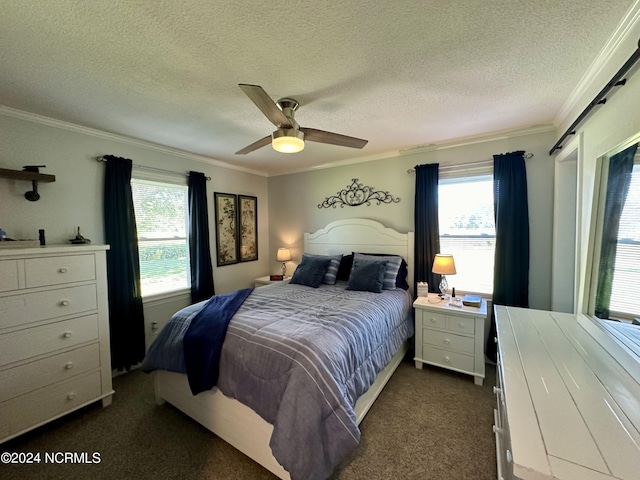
x: 625, y: 290
x: 467, y: 230
x: 161, y: 217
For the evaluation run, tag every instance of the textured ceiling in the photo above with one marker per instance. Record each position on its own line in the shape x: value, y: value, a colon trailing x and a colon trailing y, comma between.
x: 400, y: 73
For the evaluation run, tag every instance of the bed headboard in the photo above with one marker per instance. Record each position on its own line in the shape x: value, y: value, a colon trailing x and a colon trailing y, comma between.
x: 361, y: 235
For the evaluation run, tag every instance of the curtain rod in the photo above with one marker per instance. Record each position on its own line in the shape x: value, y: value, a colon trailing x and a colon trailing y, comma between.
x: 616, y: 81
x: 101, y: 159
x: 481, y: 163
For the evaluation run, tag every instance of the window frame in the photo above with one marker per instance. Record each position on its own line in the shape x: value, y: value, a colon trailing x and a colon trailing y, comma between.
x: 458, y: 174
x: 180, y: 180
x: 600, y: 195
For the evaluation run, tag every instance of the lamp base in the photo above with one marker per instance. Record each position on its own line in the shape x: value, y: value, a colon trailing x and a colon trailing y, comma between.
x: 284, y: 269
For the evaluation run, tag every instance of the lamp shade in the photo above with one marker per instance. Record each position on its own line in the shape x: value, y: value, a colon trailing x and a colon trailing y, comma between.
x: 287, y: 140
x: 443, y: 264
x: 283, y: 255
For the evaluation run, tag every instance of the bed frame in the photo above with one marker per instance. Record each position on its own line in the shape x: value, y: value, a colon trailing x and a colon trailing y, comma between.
x: 239, y: 425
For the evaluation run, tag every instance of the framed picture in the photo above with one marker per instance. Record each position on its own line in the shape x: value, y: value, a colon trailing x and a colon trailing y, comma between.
x: 248, y: 227
x: 226, y: 228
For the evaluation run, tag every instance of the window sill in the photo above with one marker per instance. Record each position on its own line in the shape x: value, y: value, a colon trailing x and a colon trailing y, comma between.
x: 166, y: 297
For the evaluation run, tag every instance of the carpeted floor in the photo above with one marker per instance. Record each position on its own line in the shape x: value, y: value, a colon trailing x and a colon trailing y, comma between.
x: 427, y: 424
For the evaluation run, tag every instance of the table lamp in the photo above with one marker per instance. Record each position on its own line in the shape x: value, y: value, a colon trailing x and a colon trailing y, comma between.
x: 443, y: 264
x: 283, y: 255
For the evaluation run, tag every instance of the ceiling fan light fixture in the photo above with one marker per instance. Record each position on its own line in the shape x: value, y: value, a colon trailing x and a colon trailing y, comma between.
x: 287, y: 140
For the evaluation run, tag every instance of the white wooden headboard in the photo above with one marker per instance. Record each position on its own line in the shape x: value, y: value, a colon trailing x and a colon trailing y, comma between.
x: 361, y: 235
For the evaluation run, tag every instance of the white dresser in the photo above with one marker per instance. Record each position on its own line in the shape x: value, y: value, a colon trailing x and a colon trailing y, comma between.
x: 54, y: 334
x: 450, y: 336
x: 567, y: 408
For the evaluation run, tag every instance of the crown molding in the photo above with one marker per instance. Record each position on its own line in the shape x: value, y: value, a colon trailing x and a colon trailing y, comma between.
x: 471, y: 140
x: 52, y: 122
x: 626, y: 27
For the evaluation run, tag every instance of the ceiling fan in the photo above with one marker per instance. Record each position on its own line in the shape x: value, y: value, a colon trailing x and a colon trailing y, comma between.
x: 289, y: 136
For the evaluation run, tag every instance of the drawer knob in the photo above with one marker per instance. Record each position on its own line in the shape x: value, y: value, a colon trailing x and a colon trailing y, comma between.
x: 447, y: 360
x: 460, y: 325
x: 71, y: 396
x: 63, y: 270
x: 497, y: 430
x: 496, y: 390
x: 66, y: 334
x: 65, y: 303
x: 69, y: 365
x: 495, y: 339
x: 509, y: 456
x: 432, y: 320
x: 447, y: 341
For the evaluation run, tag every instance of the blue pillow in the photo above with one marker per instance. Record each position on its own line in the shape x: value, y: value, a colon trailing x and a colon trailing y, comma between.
x: 311, y: 271
x: 330, y: 275
x: 367, y: 276
x: 393, y: 267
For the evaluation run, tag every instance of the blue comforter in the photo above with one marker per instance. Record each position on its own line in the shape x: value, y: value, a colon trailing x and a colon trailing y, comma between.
x: 300, y: 357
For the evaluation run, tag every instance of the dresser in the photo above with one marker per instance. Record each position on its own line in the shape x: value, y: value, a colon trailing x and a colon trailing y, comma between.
x: 450, y: 336
x: 54, y: 334
x: 567, y: 407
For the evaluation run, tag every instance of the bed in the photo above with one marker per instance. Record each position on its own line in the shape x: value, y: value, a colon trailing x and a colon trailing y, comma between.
x: 241, y: 426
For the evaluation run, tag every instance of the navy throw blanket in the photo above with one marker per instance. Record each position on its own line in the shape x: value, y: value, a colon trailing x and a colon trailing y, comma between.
x: 204, y: 338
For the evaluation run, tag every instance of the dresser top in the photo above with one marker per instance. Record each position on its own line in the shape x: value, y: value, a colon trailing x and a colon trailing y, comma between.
x: 51, y: 249
x: 433, y: 301
x: 573, y: 410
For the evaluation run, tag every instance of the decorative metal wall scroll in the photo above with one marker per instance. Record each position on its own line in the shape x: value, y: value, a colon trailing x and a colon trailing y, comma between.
x: 357, y: 194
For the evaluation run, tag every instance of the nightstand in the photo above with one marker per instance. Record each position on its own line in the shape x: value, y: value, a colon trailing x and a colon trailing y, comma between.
x: 450, y: 337
x: 262, y: 281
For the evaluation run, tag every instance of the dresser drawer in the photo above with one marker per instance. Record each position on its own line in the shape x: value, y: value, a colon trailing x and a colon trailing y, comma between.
x: 44, y: 271
x: 28, y: 410
x: 9, y: 275
x: 448, y: 341
x: 462, y: 324
x: 30, y: 342
x: 433, y: 319
x: 32, y: 307
x: 47, y: 371
x: 447, y: 359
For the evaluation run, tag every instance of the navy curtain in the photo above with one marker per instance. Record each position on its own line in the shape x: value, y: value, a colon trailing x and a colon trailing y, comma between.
x: 126, y: 318
x: 618, y: 181
x: 199, y: 250
x: 511, y: 264
x: 427, y: 232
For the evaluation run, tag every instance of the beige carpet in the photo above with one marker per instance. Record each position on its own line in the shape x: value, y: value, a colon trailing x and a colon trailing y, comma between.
x: 427, y: 424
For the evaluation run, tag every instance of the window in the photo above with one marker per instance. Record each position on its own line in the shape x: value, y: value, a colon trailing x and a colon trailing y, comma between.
x: 467, y: 230
x: 625, y: 289
x: 161, y: 216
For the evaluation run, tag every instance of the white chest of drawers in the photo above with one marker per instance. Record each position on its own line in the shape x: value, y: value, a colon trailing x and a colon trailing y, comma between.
x: 567, y: 408
x: 54, y: 334
x: 450, y: 337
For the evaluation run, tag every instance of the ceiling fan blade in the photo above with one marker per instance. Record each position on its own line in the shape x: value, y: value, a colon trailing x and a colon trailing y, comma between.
x: 321, y: 136
x: 255, y: 145
x: 266, y: 105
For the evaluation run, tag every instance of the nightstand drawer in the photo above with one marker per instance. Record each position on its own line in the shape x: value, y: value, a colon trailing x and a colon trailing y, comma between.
x: 434, y: 320
x: 448, y: 341
x: 462, y: 324
x: 9, y: 276
x: 447, y: 359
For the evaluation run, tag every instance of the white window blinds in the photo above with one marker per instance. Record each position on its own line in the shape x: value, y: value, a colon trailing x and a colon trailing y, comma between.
x: 161, y: 218
x: 625, y: 291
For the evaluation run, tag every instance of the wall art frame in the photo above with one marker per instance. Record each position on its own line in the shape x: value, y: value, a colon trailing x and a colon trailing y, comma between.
x: 226, y: 212
x: 248, y: 228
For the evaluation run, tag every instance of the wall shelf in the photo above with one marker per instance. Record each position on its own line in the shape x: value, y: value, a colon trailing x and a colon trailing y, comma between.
x: 33, y: 175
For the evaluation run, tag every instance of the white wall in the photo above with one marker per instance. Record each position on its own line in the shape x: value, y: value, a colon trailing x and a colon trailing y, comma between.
x: 75, y: 198
x: 294, y: 198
